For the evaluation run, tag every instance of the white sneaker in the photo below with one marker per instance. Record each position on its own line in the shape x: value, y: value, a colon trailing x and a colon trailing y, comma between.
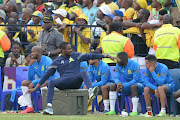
x: 93, y: 92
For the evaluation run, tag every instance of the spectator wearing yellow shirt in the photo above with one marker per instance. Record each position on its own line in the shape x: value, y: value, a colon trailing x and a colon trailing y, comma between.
x: 2, y: 18
x: 69, y: 5
x: 113, y: 6
x: 137, y: 5
x: 129, y: 11
x: 33, y: 32
x: 84, y: 35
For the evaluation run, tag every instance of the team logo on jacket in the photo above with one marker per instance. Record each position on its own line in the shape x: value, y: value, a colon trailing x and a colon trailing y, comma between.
x: 71, y: 59
x: 129, y: 72
x: 42, y: 68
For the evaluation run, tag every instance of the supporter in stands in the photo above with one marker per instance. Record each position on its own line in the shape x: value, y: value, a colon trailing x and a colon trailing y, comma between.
x: 14, y: 15
x: 39, y: 5
x: 32, y: 6
x: 177, y: 96
x: 115, y: 42
x: 62, y: 22
x: 2, y: 18
x: 167, y: 43
x: 99, y: 2
x: 38, y: 65
x: 5, y: 45
x: 27, y: 2
x: 68, y: 66
x: 160, y: 84
x: 10, y: 6
x: 15, y: 58
x: 84, y: 35
x: 34, y: 31
x: 118, y: 13
x: 140, y: 46
x: 132, y: 85
x: 26, y: 14
x: 80, y: 3
x: 48, y: 12
x: 57, y: 5
x: 129, y: 11
x: 89, y: 10
x: 50, y: 39
x: 100, y: 74
x: 113, y: 6
x: 75, y: 14
x: 69, y: 5
x: 117, y: 19
x: 137, y: 5
x: 48, y: 5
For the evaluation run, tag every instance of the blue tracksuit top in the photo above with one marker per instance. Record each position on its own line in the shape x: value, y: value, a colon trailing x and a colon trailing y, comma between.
x: 40, y: 68
x: 101, y: 74
x: 158, y: 77
x: 84, y: 66
x: 68, y: 66
x: 131, y: 73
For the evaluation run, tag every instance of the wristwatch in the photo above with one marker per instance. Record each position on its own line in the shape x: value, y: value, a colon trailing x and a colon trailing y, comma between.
x: 48, y: 54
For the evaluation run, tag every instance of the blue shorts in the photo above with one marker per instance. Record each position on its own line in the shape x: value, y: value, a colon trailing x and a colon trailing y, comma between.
x: 170, y: 88
x: 127, y: 90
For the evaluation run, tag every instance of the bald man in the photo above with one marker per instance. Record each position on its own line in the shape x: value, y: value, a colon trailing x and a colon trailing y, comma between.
x: 167, y: 43
x: 38, y: 65
x: 26, y: 14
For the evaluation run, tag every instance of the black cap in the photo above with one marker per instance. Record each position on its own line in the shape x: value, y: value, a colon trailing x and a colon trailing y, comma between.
x: 47, y: 19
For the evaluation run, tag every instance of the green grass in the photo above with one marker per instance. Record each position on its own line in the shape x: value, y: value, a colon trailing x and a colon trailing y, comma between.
x: 83, y: 117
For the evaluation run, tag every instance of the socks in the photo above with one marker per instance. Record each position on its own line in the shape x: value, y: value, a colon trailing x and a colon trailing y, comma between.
x: 178, y: 99
x: 106, y: 104
x: 135, y: 101
x: 49, y: 104
x: 27, y: 95
x: 163, y: 110
x: 112, y: 97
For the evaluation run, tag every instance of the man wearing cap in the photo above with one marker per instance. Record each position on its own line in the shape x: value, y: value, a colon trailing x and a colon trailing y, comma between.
x: 69, y: 5
x: 62, y: 22
x: 34, y: 31
x: 48, y: 5
x: 113, y: 6
x: 84, y: 35
x: 89, y: 10
x: 50, y: 39
x: 2, y: 18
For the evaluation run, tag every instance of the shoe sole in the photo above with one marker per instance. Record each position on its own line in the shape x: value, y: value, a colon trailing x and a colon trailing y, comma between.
x: 95, y: 92
x: 46, y: 113
x: 28, y: 112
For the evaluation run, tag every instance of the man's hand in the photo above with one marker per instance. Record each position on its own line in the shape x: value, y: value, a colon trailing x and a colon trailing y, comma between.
x: 152, y: 68
x: 138, y: 25
x: 45, y: 53
x: 31, y: 86
x: 77, y: 30
x: 119, y: 87
x: 31, y: 90
x: 32, y: 61
x: 85, y: 87
x: 156, y: 93
x: 31, y: 32
x: 13, y: 58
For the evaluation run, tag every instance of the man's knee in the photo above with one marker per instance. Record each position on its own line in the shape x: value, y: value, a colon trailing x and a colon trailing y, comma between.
x: 104, y: 87
x: 163, y: 88
x: 134, y: 88
x: 113, y: 87
x: 146, y: 90
x: 25, y: 83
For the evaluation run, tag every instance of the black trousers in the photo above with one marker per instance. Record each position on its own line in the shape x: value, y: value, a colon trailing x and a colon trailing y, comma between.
x: 2, y: 69
x: 170, y: 64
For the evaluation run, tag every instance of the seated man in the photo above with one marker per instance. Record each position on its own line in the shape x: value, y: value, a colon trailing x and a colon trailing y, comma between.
x: 158, y: 81
x: 38, y: 65
x: 68, y: 66
x: 100, y: 72
x: 177, y: 95
x: 132, y: 84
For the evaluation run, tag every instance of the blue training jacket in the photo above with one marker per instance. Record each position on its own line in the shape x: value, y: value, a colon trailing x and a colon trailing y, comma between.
x: 68, y: 66
x: 158, y: 77
x: 40, y: 68
x: 84, y: 66
x: 131, y: 73
x: 101, y: 74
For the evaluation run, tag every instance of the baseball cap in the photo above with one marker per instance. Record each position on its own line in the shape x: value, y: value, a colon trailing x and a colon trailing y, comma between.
x: 105, y: 9
x: 61, y: 12
x: 38, y: 14
x: 110, y: 15
x: 2, y: 14
x: 47, y: 19
x: 82, y: 16
x: 119, y: 13
x: 49, y: 4
x: 78, y: 12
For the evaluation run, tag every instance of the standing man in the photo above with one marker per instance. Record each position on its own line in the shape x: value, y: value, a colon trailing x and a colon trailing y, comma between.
x: 38, y: 65
x: 68, y: 66
x: 132, y: 84
x: 158, y: 81
x: 115, y: 42
x: 5, y: 45
x: 89, y: 10
x: 167, y: 43
x: 50, y: 39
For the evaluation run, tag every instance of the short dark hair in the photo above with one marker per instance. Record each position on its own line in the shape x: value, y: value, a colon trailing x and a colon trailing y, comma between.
x: 63, y: 45
x: 163, y: 12
x: 115, y: 26
x: 146, y: 13
x: 17, y: 43
x: 151, y: 58
x: 123, y: 55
